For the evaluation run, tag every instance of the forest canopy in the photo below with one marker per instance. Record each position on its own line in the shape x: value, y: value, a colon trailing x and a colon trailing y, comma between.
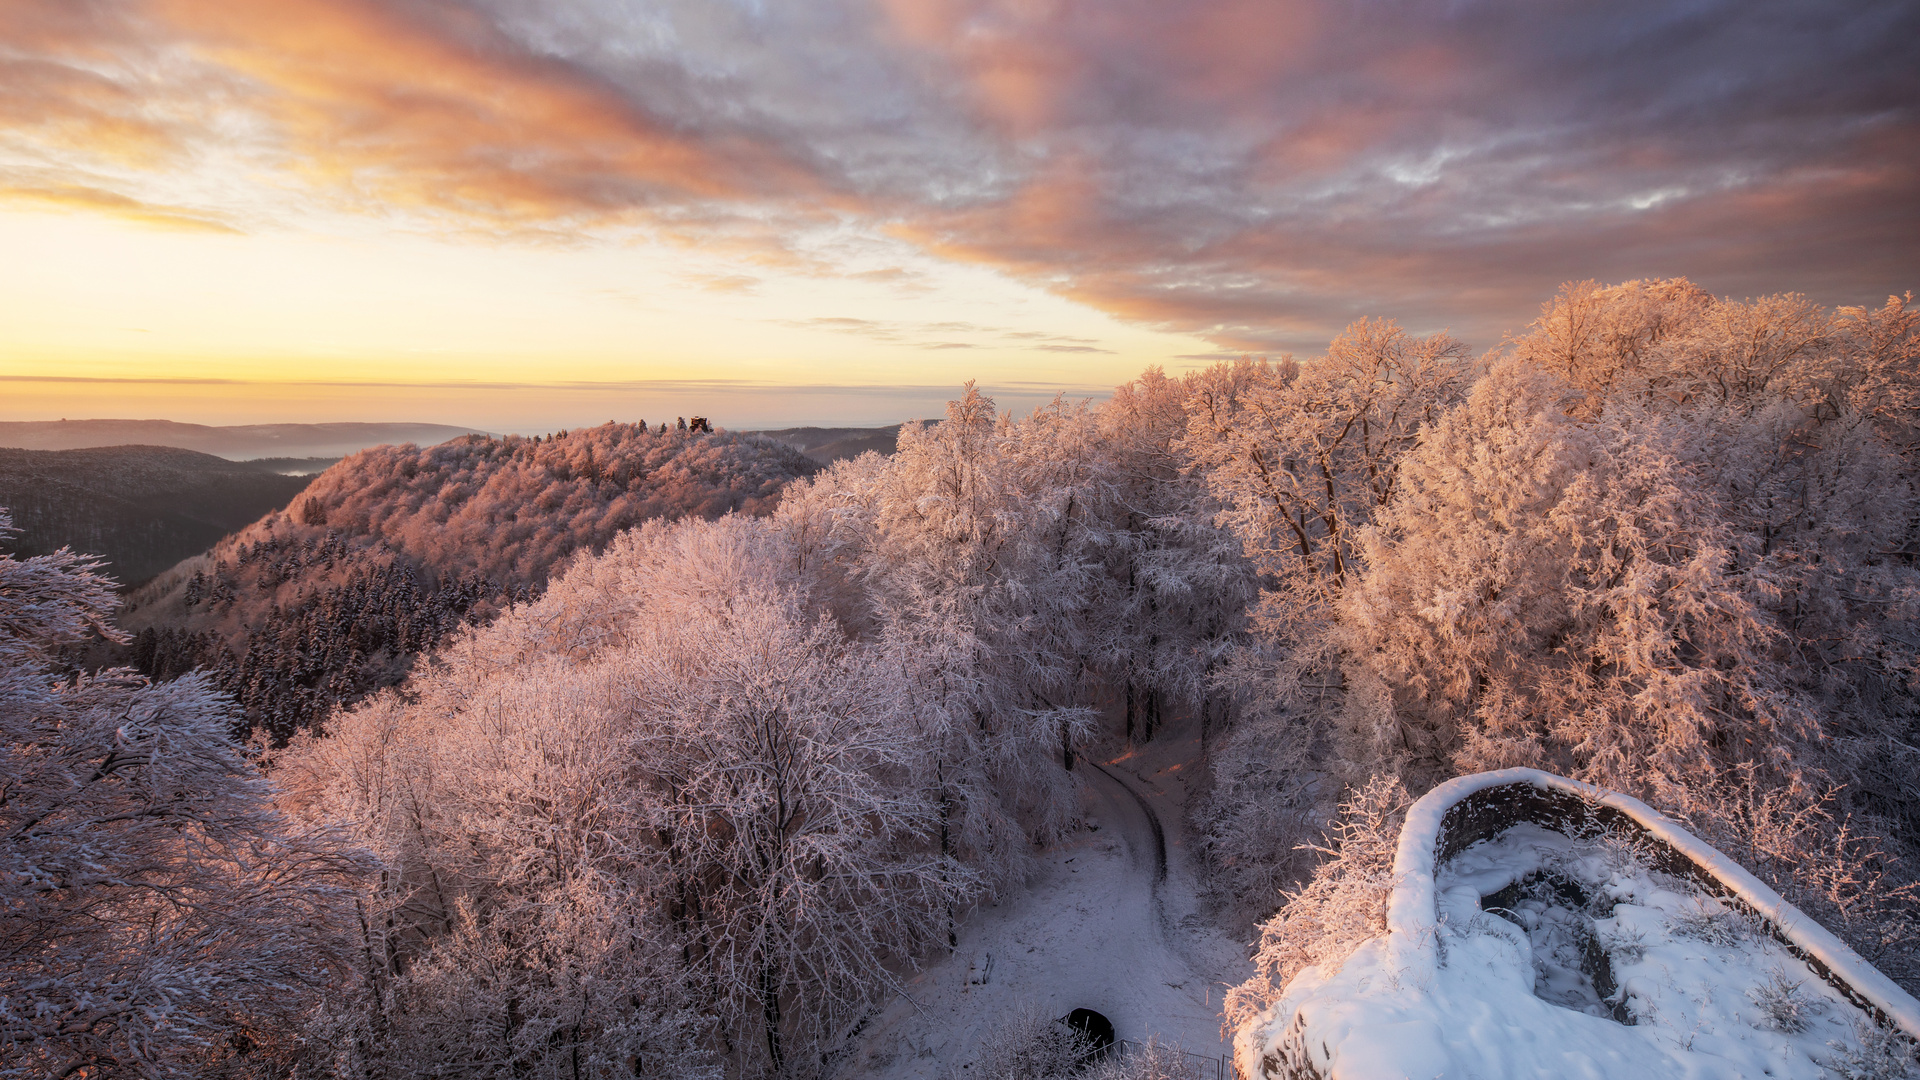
x: 695, y: 808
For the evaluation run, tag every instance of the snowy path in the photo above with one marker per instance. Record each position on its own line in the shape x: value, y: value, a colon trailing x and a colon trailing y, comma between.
x: 1110, y: 921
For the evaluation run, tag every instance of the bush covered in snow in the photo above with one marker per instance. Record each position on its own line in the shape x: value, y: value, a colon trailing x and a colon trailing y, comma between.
x: 1029, y: 1045
x: 1343, y: 906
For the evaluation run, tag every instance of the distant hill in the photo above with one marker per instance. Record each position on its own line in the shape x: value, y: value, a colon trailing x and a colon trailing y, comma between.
x: 828, y: 445
x: 144, y: 508
x: 393, y: 548
x: 238, y: 442
x: 294, y: 466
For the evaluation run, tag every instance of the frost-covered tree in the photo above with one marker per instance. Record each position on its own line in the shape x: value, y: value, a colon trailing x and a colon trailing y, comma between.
x: 1302, y: 454
x: 671, y: 789
x: 1182, y: 583
x: 513, y: 929
x: 1552, y: 591
x: 799, y: 855
x: 158, y: 915
x: 1798, y: 423
x: 1667, y: 544
x: 966, y: 549
x: 1879, y: 370
x: 1600, y: 338
x: 1025, y: 572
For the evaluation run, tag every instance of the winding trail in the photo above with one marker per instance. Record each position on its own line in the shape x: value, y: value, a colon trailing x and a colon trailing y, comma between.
x: 1110, y: 921
x: 1152, y: 820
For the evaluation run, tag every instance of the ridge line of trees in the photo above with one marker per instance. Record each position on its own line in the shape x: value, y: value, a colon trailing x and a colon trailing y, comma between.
x: 389, y: 551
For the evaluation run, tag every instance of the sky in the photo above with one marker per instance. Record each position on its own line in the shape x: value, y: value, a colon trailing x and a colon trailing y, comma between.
x: 521, y: 215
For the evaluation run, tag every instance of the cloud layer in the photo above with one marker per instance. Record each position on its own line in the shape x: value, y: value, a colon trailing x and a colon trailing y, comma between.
x: 1259, y: 171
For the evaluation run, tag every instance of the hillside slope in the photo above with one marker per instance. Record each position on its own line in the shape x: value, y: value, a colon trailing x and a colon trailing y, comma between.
x: 141, y: 508
x: 392, y: 548
x: 239, y: 441
x: 828, y: 445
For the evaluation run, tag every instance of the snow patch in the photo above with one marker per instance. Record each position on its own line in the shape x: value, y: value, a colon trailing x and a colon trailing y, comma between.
x: 1531, y: 952
x: 1096, y: 927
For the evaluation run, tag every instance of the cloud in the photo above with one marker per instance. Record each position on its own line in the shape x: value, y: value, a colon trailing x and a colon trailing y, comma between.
x: 891, y: 275
x: 840, y: 324
x: 727, y: 283
x: 1038, y: 335
x: 905, y: 333
x: 78, y: 197
x: 427, y: 107
x: 1256, y: 171
x: 80, y: 76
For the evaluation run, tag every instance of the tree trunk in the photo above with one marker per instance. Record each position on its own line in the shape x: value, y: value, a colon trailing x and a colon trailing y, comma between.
x: 946, y: 847
x: 770, y: 1013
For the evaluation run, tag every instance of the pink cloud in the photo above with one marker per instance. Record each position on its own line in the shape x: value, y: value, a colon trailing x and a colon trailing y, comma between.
x: 1259, y: 171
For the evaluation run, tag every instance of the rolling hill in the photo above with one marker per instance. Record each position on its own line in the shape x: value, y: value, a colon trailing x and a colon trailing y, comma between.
x: 828, y: 445
x: 238, y: 442
x: 390, y: 550
x: 142, y: 508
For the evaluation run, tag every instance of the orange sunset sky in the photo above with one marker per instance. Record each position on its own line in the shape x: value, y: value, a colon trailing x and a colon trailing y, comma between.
x: 520, y: 216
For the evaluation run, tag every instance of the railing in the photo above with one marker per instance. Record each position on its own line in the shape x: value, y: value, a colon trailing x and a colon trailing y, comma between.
x: 1199, y: 1066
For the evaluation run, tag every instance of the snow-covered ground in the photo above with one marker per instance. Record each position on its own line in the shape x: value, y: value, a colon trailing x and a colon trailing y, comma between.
x: 1562, y: 957
x: 1110, y: 921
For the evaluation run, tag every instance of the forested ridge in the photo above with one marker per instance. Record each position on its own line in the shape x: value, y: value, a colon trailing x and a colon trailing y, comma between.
x: 389, y: 550
x: 141, y: 508
x: 696, y: 807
